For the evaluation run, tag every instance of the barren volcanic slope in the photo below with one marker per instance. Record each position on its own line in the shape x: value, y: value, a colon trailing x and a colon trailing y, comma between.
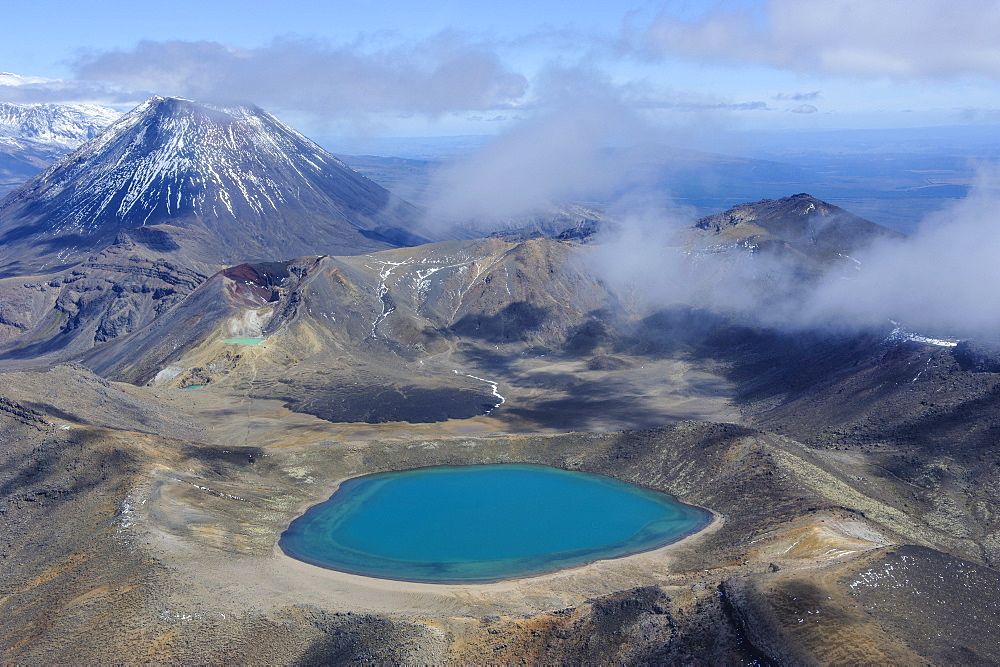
x: 158, y: 511
x: 143, y: 487
x: 415, y: 334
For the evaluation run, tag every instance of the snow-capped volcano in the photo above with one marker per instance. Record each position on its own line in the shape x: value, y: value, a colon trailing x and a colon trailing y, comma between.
x: 225, y: 184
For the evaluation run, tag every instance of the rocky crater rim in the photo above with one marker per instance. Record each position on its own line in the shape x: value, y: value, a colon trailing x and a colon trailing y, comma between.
x: 219, y: 518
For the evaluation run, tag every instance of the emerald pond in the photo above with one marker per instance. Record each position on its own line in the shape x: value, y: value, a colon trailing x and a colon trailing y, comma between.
x: 482, y: 523
x: 243, y: 341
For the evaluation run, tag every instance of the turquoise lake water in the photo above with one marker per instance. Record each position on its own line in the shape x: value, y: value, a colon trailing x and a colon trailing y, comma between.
x: 243, y: 341
x: 469, y: 524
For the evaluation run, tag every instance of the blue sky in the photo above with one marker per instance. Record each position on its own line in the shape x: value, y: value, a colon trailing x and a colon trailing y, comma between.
x: 460, y: 67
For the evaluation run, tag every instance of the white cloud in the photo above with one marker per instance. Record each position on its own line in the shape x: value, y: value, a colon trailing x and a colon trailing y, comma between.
x: 942, y: 282
x: 16, y: 89
x: 554, y: 154
x: 441, y: 74
x: 896, y: 38
x: 798, y: 97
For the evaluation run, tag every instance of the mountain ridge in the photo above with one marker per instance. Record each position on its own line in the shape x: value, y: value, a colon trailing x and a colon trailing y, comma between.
x: 64, y: 126
x: 33, y: 136
x: 825, y: 226
x: 805, y: 235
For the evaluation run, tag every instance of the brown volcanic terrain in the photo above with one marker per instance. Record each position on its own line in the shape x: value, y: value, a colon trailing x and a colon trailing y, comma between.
x: 142, y: 522
x: 182, y: 493
x: 851, y: 477
x: 419, y: 335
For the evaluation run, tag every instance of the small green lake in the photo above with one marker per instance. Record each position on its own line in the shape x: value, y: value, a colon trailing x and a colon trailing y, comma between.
x: 482, y: 523
x: 243, y: 341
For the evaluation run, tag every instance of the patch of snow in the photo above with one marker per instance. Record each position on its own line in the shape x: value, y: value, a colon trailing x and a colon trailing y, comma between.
x: 857, y: 264
x: 382, y: 291
x: 220, y: 494
x: 917, y: 377
x: 901, y: 335
x: 494, y: 385
x: 166, y: 375
x: 58, y: 126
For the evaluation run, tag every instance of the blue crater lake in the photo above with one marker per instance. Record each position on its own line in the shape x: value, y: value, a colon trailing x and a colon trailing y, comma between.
x: 482, y: 523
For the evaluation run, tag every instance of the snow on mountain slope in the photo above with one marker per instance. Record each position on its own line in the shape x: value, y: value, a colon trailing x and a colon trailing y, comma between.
x: 33, y: 136
x: 233, y: 183
x: 170, y: 156
x: 60, y: 126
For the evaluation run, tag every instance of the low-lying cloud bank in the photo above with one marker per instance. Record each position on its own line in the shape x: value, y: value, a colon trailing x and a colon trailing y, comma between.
x: 554, y: 156
x: 585, y: 138
x: 943, y: 281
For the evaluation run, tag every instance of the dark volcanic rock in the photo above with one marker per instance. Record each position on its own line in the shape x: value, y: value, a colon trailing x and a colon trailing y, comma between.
x: 114, y: 294
x: 978, y: 357
x: 376, y: 404
x: 926, y: 595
